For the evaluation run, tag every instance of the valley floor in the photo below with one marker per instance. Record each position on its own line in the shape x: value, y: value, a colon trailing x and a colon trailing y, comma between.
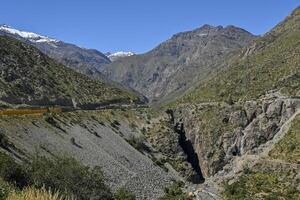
x: 139, y: 150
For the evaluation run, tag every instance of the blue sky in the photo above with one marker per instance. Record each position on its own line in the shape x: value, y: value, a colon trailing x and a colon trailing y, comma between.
x: 137, y: 25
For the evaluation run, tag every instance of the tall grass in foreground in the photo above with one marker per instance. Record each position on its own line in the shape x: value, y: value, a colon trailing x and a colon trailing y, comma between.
x: 32, y: 193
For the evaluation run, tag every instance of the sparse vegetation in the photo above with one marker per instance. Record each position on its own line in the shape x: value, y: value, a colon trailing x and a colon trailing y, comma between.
x: 174, y: 192
x: 288, y: 148
x: 133, y: 126
x: 161, y: 163
x: 138, y: 143
x: 123, y: 194
x: 32, y: 193
x: 274, y: 65
x: 12, y: 172
x: 263, y: 185
x: 49, y: 118
x: 48, y: 82
x: 60, y: 179
x: 5, y: 189
x: 4, y: 142
x: 64, y: 173
x: 115, y: 124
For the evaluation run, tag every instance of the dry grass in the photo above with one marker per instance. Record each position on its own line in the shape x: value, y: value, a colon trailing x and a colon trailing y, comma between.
x: 35, y: 194
x: 40, y: 111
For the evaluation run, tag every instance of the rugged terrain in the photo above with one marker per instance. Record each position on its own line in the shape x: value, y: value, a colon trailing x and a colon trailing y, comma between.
x: 30, y: 77
x: 243, y: 112
x: 110, y: 138
x: 269, y: 63
x: 179, y: 62
x: 233, y: 135
x: 86, y: 61
x: 95, y: 138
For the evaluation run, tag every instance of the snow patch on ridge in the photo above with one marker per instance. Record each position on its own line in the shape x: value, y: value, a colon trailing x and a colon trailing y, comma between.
x: 33, y: 37
x: 117, y: 55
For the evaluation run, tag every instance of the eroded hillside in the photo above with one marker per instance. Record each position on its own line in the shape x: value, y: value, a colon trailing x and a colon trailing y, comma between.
x: 240, y: 111
x: 111, y: 138
x: 30, y: 77
x: 179, y: 62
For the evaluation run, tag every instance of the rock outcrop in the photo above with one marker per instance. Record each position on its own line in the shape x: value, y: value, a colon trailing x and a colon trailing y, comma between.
x: 243, y: 127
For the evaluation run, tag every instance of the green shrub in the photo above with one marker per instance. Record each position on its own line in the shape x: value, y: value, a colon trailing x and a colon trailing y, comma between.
x: 5, y: 189
x: 133, y: 126
x: 63, y: 174
x: 138, y: 143
x: 50, y: 119
x: 123, y: 194
x: 288, y: 148
x: 263, y: 185
x: 4, y: 142
x: 174, y: 192
x: 70, y: 177
x: 144, y: 131
x: 12, y: 172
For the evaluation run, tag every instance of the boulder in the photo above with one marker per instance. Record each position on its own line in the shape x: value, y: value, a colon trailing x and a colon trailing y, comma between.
x: 239, y: 118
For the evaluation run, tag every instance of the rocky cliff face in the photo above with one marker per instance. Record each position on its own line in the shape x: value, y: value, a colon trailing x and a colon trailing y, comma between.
x: 261, y: 88
x: 233, y: 130
x: 179, y: 62
x: 236, y: 118
x: 173, y: 148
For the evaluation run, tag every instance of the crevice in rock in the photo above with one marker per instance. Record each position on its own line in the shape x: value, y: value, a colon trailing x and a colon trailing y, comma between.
x: 188, y: 149
x: 191, y: 154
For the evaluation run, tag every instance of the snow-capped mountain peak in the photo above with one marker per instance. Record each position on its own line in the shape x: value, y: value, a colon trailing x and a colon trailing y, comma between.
x: 33, y: 37
x: 117, y: 55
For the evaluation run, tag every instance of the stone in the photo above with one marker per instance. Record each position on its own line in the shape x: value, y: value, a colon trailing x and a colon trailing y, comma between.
x: 288, y: 109
x: 251, y: 108
x: 239, y: 118
x: 274, y: 109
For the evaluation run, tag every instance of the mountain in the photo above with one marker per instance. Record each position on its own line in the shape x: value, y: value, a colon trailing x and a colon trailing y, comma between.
x: 30, y: 77
x: 177, y: 63
x: 243, y: 122
x: 268, y: 63
x: 105, y: 137
x: 117, y: 55
x: 86, y: 61
x: 231, y: 131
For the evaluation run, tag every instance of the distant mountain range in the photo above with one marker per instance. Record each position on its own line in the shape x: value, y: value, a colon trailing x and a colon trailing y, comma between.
x: 81, y: 59
x: 86, y: 61
x: 268, y: 63
x: 161, y: 74
x: 249, y: 112
x: 29, y: 77
x: 225, y: 111
x: 175, y: 65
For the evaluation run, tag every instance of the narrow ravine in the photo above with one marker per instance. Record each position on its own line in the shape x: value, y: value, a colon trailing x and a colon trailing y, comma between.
x: 191, y: 154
